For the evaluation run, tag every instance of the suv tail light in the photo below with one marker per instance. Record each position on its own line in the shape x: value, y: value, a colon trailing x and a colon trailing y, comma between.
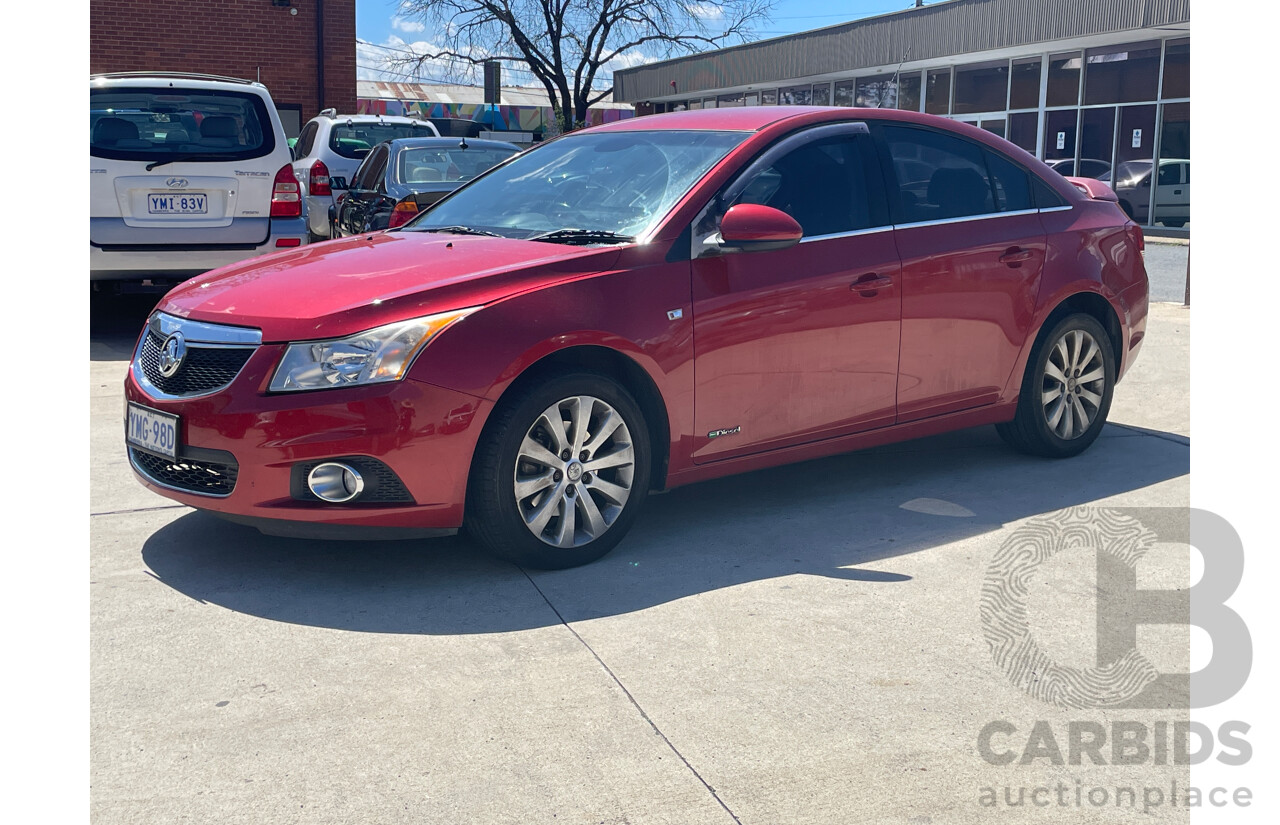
x: 405, y: 210
x: 286, y: 197
x: 319, y: 179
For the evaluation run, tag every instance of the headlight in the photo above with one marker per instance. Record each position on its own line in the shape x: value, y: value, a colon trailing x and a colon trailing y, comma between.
x: 382, y: 354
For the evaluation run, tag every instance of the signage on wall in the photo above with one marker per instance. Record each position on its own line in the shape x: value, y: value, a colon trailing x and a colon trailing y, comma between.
x: 1062, y: 140
x: 1137, y: 138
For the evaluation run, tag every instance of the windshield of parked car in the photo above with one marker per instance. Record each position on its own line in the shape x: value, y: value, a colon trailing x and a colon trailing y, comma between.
x: 165, y: 124
x: 593, y: 186
x: 354, y: 140
x: 448, y: 164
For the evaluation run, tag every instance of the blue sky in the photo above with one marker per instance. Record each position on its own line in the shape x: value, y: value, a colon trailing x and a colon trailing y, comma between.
x: 385, y: 34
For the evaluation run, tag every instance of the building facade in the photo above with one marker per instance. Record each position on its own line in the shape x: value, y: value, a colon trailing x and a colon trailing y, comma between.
x: 1097, y: 88
x: 303, y: 51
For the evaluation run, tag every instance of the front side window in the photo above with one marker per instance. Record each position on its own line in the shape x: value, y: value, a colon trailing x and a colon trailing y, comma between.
x: 825, y: 185
x: 613, y: 185
x: 174, y: 124
x: 941, y: 176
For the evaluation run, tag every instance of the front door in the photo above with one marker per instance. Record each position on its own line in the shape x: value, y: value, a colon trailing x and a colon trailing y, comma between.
x: 798, y: 344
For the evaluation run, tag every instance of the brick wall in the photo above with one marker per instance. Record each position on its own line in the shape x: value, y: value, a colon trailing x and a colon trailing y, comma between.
x: 238, y: 38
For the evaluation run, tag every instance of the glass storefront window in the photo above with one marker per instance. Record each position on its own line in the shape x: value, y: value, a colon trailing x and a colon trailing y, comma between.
x: 1097, y: 134
x: 768, y: 97
x: 822, y: 94
x: 1173, y: 182
x: 1122, y: 74
x: 1060, y: 134
x: 844, y: 93
x: 937, y: 95
x: 1024, y: 83
x: 1177, y: 69
x: 796, y: 95
x: 1136, y: 139
x: 981, y: 87
x: 876, y: 92
x: 909, y: 91
x: 1022, y: 130
x: 731, y: 100
x: 995, y: 127
x: 1064, y: 79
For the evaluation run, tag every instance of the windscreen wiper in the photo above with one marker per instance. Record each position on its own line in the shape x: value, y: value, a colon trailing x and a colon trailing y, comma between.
x: 156, y: 163
x: 582, y: 236
x: 463, y: 230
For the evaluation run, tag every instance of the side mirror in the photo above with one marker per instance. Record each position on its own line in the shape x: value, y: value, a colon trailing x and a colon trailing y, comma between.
x: 750, y: 227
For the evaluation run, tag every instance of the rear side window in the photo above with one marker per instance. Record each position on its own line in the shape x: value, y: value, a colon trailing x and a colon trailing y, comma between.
x: 307, y: 138
x: 941, y: 176
x: 178, y: 124
x: 354, y: 140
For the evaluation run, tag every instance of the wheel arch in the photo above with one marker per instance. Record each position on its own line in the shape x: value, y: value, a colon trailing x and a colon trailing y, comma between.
x: 1088, y: 302
x: 612, y: 363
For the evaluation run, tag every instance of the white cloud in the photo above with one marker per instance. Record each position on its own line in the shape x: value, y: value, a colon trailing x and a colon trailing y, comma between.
x: 401, y: 24
x: 706, y: 11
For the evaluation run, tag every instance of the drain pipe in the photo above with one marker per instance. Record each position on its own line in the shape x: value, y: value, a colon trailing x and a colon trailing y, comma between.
x: 320, y: 55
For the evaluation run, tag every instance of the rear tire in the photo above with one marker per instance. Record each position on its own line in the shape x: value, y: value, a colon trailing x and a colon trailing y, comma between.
x: 560, y: 474
x: 1066, y: 391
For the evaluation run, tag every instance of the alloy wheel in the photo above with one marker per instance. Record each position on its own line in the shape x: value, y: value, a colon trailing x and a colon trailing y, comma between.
x: 574, y: 471
x: 1074, y: 384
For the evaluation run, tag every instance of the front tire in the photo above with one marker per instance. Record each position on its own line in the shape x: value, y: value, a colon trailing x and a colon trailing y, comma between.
x: 561, y: 473
x: 1066, y: 391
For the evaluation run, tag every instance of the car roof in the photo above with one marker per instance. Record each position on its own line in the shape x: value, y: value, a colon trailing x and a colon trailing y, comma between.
x: 757, y: 118
x: 449, y: 142
x: 368, y: 118
x: 178, y: 80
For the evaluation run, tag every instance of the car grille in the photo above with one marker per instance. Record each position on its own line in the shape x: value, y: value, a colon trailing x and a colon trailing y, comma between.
x: 204, y: 370
x: 202, y: 476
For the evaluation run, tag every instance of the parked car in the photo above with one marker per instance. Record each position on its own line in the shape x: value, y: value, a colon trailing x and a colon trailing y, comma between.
x: 638, y: 306
x: 1132, y: 185
x: 187, y: 172
x: 400, y: 178
x: 1089, y: 167
x: 332, y: 146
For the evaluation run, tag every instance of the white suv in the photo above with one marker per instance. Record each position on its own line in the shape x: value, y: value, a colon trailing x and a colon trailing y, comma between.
x: 330, y: 149
x: 187, y: 173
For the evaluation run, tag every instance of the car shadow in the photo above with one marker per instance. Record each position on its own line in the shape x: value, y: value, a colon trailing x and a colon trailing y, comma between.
x: 844, y: 517
x: 115, y: 322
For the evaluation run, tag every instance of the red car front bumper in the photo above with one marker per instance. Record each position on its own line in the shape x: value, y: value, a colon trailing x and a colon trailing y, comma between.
x: 423, y: 433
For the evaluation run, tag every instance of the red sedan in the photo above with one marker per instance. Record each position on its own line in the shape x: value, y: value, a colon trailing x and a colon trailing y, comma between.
x: 635, y: 307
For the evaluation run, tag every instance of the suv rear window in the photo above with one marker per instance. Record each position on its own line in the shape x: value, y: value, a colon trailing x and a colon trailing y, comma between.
x: 175, y: 123
x: 354, y: 140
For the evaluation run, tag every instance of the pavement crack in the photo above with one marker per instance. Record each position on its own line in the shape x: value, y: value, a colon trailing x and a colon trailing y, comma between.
x: 632, y: 699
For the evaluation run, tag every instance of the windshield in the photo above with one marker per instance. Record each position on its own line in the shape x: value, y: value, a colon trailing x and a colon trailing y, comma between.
x: 611, y: 183
x: 171, y: 124
x: 354, y: 140
x: 448, y: 164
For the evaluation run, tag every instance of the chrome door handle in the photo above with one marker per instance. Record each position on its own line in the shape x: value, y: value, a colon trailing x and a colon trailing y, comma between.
x: 871, y: 283
x: 1015, y: 256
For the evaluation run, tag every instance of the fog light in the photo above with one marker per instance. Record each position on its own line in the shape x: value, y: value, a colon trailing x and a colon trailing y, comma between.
x: 334, y: 482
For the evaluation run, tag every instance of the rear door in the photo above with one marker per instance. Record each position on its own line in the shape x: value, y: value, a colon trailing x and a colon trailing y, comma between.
x: 363, y: 194
x: 972, y: 248
x: 798, y: 344
x: 174, y: 166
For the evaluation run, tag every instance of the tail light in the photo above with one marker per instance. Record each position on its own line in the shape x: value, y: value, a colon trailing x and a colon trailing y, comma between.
x: 1135, y: 232
x: 319, y: 184
x: 286, y: 198
x: 405, y: 210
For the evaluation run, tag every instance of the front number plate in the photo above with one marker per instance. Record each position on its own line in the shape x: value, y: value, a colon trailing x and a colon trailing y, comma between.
x: 187, y: 204
x: 152, y: 430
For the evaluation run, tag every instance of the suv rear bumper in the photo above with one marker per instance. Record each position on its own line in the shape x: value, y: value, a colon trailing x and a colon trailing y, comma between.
x: 182, y: 261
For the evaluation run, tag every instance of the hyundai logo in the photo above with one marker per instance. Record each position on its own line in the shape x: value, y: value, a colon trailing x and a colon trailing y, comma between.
x: 176, y: 183
x: 172, y: 352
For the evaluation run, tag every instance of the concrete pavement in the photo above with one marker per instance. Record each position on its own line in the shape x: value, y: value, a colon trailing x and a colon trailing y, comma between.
x: 799, y: 645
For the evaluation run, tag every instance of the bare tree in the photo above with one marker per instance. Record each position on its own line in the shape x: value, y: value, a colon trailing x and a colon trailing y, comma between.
x: 566, y: 43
